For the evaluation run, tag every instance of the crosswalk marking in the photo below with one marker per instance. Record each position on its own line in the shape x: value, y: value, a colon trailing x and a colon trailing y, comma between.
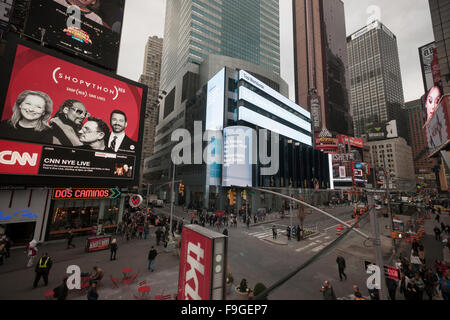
x: 317, y: 249
x: 306, y: 247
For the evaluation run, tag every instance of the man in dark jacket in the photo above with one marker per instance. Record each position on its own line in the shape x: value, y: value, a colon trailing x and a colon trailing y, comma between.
x: 159, y: 234
x: 92, y: 292
x: 288, y: 232
x: 151, y: 258
x: 42, y: 269
x: 69, y: 240
x: 437, y: 233
x: 61, y: 291
x: 327, y: 291
x: 341, y: 266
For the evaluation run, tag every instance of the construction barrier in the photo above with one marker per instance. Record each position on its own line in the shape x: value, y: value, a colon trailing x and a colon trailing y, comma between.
x: 339, y: 230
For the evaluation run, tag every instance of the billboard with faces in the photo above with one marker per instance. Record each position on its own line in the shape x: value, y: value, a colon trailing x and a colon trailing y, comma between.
x: 89, y: 29
x: 60, y: 119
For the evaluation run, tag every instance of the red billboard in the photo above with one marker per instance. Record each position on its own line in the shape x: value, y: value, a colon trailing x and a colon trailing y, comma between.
x: 85, y: 124
x: 202, y: 264
x: 352, y: 141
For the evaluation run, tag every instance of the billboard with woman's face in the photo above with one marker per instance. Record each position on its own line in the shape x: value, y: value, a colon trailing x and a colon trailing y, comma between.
x: 59, y: 119
x: 89, y: 29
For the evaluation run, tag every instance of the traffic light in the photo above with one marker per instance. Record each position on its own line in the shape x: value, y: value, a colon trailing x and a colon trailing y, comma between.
x: 181, y: 188
x: 232, y: 197
x: 244, y: 194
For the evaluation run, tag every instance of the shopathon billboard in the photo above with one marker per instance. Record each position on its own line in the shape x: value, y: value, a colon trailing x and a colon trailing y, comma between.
x: 59, y: 120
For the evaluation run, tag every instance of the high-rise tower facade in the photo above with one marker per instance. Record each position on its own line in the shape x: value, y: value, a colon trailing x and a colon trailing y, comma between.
x: 320, y: 57
x: 375, y: 77
x: 247, y: 30
x: 151, y: 77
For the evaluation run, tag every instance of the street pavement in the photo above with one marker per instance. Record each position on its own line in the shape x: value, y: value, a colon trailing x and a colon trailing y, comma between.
x: 252, y: 254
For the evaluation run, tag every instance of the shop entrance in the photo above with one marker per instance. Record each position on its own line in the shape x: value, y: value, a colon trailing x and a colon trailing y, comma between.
x: 20, y: 233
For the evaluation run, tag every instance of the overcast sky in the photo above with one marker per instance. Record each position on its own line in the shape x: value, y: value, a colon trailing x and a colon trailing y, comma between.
x: 409, y: 20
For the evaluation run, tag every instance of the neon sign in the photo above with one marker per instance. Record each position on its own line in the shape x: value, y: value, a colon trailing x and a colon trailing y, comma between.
x: 25, y: 214
x: 83, y: 194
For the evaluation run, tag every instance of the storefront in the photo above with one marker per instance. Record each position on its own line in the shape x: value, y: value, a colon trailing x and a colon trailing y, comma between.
x: 82, y: 216
x: 23, y: 214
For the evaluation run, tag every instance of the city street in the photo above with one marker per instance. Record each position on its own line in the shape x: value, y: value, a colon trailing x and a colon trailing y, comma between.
x: 252, y: 254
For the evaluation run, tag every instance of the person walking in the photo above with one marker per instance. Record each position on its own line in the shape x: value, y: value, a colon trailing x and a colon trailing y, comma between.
x: 141, y: 231
x: 391, y: 285
x: 62, y: 291
x: 2, y: 252
x: 31, y: 251
x: 288, y: 232
x: 8, y: 244
x: 274, y: 232
x: 341, y: 266
x: 151, y: 258
x: 159, y: 234
x: 248, y: 222
x: 42, y: 269
x: 70, y: 245
x: 113, y: 248
x: 298, y: 232
x: 438, y: 217
x: 327, y: 291
x: 146, y: 230
x: 437, y: 233
x: 92, y: 292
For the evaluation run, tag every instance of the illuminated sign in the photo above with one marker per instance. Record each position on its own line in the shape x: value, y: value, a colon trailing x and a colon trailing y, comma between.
x: 27, y: 214
x: 252, y: 80
x: 69, y: 193
x: 352, y: 141
x: 257, y: 100
x: 215, y: 103
x: 61, y: 144
x: 238, y: 156
x: 202, y: 264
x: 136, y: 200
x: 272, y: 125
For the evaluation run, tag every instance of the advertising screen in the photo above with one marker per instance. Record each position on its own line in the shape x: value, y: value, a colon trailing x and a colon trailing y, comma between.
x: 60, y: 120
x: 5, y: 12
x: 239, y: 155
x: 89, y: 29
x: 438, y: 128
x: 430, y: 66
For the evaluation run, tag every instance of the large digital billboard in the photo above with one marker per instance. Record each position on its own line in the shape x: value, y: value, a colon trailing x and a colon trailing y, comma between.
x: 438, y: 128
x: 89, y: 29
x: 430, y: 66
x: 238, y: 157
x: 59, y: 119
x: 5, y: 13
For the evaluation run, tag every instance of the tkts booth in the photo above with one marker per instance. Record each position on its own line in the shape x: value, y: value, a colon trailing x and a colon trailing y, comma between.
x: 203, y: 262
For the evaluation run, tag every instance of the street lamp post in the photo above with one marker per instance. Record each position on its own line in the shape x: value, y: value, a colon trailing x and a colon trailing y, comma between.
x: 170, y: 243
x: 387, y: 180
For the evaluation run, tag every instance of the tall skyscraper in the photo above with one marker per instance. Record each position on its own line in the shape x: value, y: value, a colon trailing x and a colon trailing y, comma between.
x: 320, y: 57
x: 150, y: 77
x: 247, y: 30
x: 440, y: 16
x: 376, y: 82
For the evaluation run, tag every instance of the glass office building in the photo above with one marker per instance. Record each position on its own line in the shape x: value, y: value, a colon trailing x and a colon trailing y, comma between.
x: 247, y: 30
